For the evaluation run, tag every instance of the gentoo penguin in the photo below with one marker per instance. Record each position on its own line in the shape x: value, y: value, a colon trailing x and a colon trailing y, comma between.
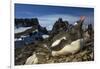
x: 78, y: 27
x: 72, y: 48
x: 36, y: 58
x: 61, y: 45
x: 32, y: 59
x: 56, y: 42
x: 57, y: 39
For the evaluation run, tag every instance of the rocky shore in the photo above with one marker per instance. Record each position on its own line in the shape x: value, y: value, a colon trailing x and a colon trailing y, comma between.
x: 87, y: 54
x: 24, y: 54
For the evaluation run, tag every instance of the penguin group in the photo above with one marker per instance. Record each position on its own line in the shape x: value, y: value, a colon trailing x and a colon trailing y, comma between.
x: 68, y: 41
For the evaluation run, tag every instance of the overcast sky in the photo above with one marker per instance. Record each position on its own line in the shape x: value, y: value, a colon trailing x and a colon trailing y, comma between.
x: 47, y: 15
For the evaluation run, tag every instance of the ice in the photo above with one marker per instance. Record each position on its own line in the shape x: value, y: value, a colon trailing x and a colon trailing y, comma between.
x: 21, y: 29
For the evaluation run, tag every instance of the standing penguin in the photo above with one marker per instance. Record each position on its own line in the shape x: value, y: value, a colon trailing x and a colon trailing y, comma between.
x: 78, y: 26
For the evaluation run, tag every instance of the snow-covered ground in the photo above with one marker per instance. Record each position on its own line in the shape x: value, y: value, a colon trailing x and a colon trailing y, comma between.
x: 23, y: 40
x: 45, y: 36
x: 21, y: 29
x: 19, y: 42
x: 27, y: 39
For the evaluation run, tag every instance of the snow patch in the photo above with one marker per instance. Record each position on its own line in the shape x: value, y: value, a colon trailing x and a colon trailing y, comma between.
x: 21, y: 29
x: 45, y: 36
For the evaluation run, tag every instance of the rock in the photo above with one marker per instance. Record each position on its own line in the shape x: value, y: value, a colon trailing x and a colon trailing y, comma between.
x: 68, y: 60
x: 59, y: 25
x: 33, y: 22
x: 43, y: 54
x: 42, y: 29
x: 26, y: 22
x: 85, y: 57
x: 92, y: 55
x: 74, y: 60
x: 79, y: 59
x: 83, y: 53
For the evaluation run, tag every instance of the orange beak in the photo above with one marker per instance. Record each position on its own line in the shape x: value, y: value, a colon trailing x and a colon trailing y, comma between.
x: 82, y: 18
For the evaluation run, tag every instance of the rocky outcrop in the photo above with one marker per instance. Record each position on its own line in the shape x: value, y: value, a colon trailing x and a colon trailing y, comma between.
x: 42, y: 29
x: 26, y: 54
x: 64, y: 34
x: 59, y: 26
x: 26, y: 22
x: 34, y: 23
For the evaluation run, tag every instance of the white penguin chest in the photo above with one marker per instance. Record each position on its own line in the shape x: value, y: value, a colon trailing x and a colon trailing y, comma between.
x: 55, y: 43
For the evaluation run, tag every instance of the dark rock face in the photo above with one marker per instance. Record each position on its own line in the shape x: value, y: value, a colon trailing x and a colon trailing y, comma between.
x: 59, y: 26
x: 90, y: 30
x: 33, y: 34
x: 26, y: 22
x: 34, y: 23
x: 42, y: 29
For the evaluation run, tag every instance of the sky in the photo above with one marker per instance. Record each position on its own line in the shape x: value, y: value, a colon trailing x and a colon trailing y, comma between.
x: 47, y: 15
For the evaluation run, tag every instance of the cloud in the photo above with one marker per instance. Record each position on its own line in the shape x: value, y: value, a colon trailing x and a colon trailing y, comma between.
x: 49, y: 20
